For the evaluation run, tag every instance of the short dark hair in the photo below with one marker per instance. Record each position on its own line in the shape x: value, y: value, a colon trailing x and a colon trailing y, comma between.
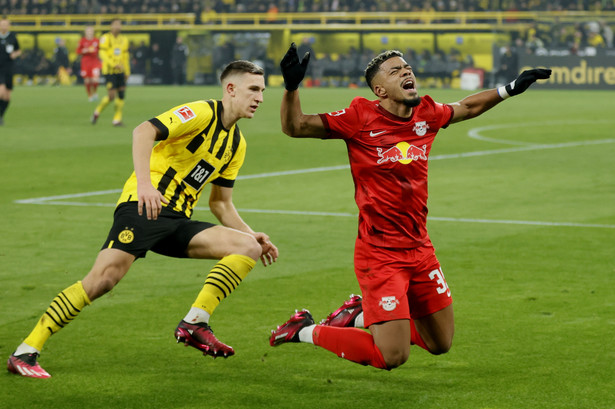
x: 241, y: 66
x: 376, y: 62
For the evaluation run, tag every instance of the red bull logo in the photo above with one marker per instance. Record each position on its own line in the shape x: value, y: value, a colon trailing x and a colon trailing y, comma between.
x: 403, y: 153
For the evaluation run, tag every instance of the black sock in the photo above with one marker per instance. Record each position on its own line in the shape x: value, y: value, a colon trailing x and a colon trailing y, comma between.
x: 3, y: 106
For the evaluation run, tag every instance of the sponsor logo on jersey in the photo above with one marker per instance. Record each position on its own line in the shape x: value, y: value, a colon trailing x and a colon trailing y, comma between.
x: 184, y: 114
x: 403, y: 153
x: 420, y: 128
x: 372, y: 133
x: 388, y: 303
x: 126, y: 236
x: 199, y: 174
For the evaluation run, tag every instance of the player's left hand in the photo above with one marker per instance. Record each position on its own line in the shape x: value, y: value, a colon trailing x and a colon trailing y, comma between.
x: 293, y: 70
x: 525, y: 79
x: 270, y: 251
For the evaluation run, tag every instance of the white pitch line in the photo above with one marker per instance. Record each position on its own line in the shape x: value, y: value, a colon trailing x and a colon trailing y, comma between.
x: 475, y: 133
x: 57, y: 200
x: 341, y: 167
x: 354, y: 215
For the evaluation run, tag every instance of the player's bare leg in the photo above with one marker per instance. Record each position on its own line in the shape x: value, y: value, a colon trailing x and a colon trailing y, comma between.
x: 237, y: 252
x: 110, y: 267
x: 393, y: 340
x: 437, y: 330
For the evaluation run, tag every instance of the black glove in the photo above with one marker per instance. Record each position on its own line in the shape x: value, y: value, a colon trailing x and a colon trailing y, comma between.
x: 293, y: 71
x: 523, y: 81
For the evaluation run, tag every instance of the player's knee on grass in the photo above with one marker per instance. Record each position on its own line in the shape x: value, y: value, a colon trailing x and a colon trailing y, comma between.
x: 440, y: 347
x: 395, y: 356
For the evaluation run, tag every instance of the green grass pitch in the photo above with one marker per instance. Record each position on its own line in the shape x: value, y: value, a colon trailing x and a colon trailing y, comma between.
x: 522, y: 214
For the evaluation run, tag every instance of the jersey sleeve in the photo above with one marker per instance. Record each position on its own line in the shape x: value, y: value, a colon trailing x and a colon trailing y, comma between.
x: 229, y: 173
x: 182, y: 119
x: 443, y: 112
x: 342, y: 124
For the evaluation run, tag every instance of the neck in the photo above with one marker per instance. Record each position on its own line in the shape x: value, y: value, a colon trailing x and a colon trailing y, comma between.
x: 228, y: 117
x: 396, y: 108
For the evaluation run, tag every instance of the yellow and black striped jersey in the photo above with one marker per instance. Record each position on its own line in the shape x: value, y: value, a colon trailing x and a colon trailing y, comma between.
x: 113, y: 51
x: 195, y: 149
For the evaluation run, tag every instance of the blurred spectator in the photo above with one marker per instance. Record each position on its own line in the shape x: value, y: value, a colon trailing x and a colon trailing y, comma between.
x: 61, y: 62
x: 157, y: 65
x: 607, y: 33
x: 33, y: 63
x: 179, y: 59
x: 292, y: 6
x: 305, y: 47
x: 508, y: 69
x: 140, y: 57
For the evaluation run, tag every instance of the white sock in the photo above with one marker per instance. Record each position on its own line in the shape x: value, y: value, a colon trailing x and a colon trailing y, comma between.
x: 26, y: 349
x: 306, y: 334
x: 358, y: 322
x: 197, y: 315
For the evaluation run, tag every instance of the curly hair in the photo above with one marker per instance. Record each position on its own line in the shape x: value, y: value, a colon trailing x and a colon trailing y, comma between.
x: 376, y: 62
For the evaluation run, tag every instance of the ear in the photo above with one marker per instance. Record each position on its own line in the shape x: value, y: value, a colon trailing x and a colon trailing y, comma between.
x: 380, y: 91
x: 230, y: 89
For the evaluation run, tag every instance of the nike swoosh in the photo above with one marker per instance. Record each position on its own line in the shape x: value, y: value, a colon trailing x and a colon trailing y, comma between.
x: 372, y: 133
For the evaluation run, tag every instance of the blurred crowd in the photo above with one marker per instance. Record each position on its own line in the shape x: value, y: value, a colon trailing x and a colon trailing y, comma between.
x: 152, y: 63
x: 9, y: 7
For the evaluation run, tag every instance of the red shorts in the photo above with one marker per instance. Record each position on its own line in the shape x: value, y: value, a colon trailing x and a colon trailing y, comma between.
x: 399, y: 283
x: 90, y: 70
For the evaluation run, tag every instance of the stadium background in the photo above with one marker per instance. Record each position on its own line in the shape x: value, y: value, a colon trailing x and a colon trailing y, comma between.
x: 491, y: 40
x: 521, y: 213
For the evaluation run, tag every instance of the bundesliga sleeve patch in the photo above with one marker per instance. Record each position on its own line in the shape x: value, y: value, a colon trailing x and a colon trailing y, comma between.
x: 184, y: 114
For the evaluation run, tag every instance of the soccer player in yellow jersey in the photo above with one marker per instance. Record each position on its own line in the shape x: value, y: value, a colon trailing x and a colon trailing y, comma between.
x: 113, y: 53
x: 198, y: 143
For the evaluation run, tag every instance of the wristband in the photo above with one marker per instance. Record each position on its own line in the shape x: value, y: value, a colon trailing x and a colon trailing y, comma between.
x: 502, y: 92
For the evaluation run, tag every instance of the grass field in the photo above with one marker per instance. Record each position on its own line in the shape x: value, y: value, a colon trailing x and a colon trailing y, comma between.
x: 522, y: 206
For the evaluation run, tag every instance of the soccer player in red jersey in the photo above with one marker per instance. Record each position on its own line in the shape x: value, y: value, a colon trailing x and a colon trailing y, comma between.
x: 90, y: 64
x: 405, y: 298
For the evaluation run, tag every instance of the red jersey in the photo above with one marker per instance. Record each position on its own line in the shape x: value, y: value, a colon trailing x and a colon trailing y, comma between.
x: 88, y: 49
x: 388, y: 159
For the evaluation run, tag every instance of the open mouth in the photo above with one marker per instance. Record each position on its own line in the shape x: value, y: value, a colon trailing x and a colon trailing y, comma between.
x: 408, y: 84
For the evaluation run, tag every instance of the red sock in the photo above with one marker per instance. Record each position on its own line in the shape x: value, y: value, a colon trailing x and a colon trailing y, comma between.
x: 88, y: 89
x: 94, y: 86
x: 352, y: 344
x: 415, y: 338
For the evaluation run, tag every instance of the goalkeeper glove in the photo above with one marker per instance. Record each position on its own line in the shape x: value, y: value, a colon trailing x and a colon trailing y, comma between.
x: 523, y: 81
x: 293, y: 71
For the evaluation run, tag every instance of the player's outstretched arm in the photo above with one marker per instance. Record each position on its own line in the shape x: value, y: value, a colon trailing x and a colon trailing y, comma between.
x: 294, y: 122
x: 474, y: 105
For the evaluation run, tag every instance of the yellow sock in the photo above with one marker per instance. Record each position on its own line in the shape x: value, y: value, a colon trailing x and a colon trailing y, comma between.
x: 119, y: 105
x: 103, y: 103
x: 63, y: 309
x: 223, y: 278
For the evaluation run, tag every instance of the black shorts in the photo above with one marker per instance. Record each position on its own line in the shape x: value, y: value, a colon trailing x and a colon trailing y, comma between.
x: 6, y: 77
x: 115, y: 81
x: 168, y: 235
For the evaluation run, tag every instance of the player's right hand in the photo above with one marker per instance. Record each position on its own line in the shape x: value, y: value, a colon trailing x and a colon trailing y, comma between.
x: 293, y: 70
x: 150, y: 198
